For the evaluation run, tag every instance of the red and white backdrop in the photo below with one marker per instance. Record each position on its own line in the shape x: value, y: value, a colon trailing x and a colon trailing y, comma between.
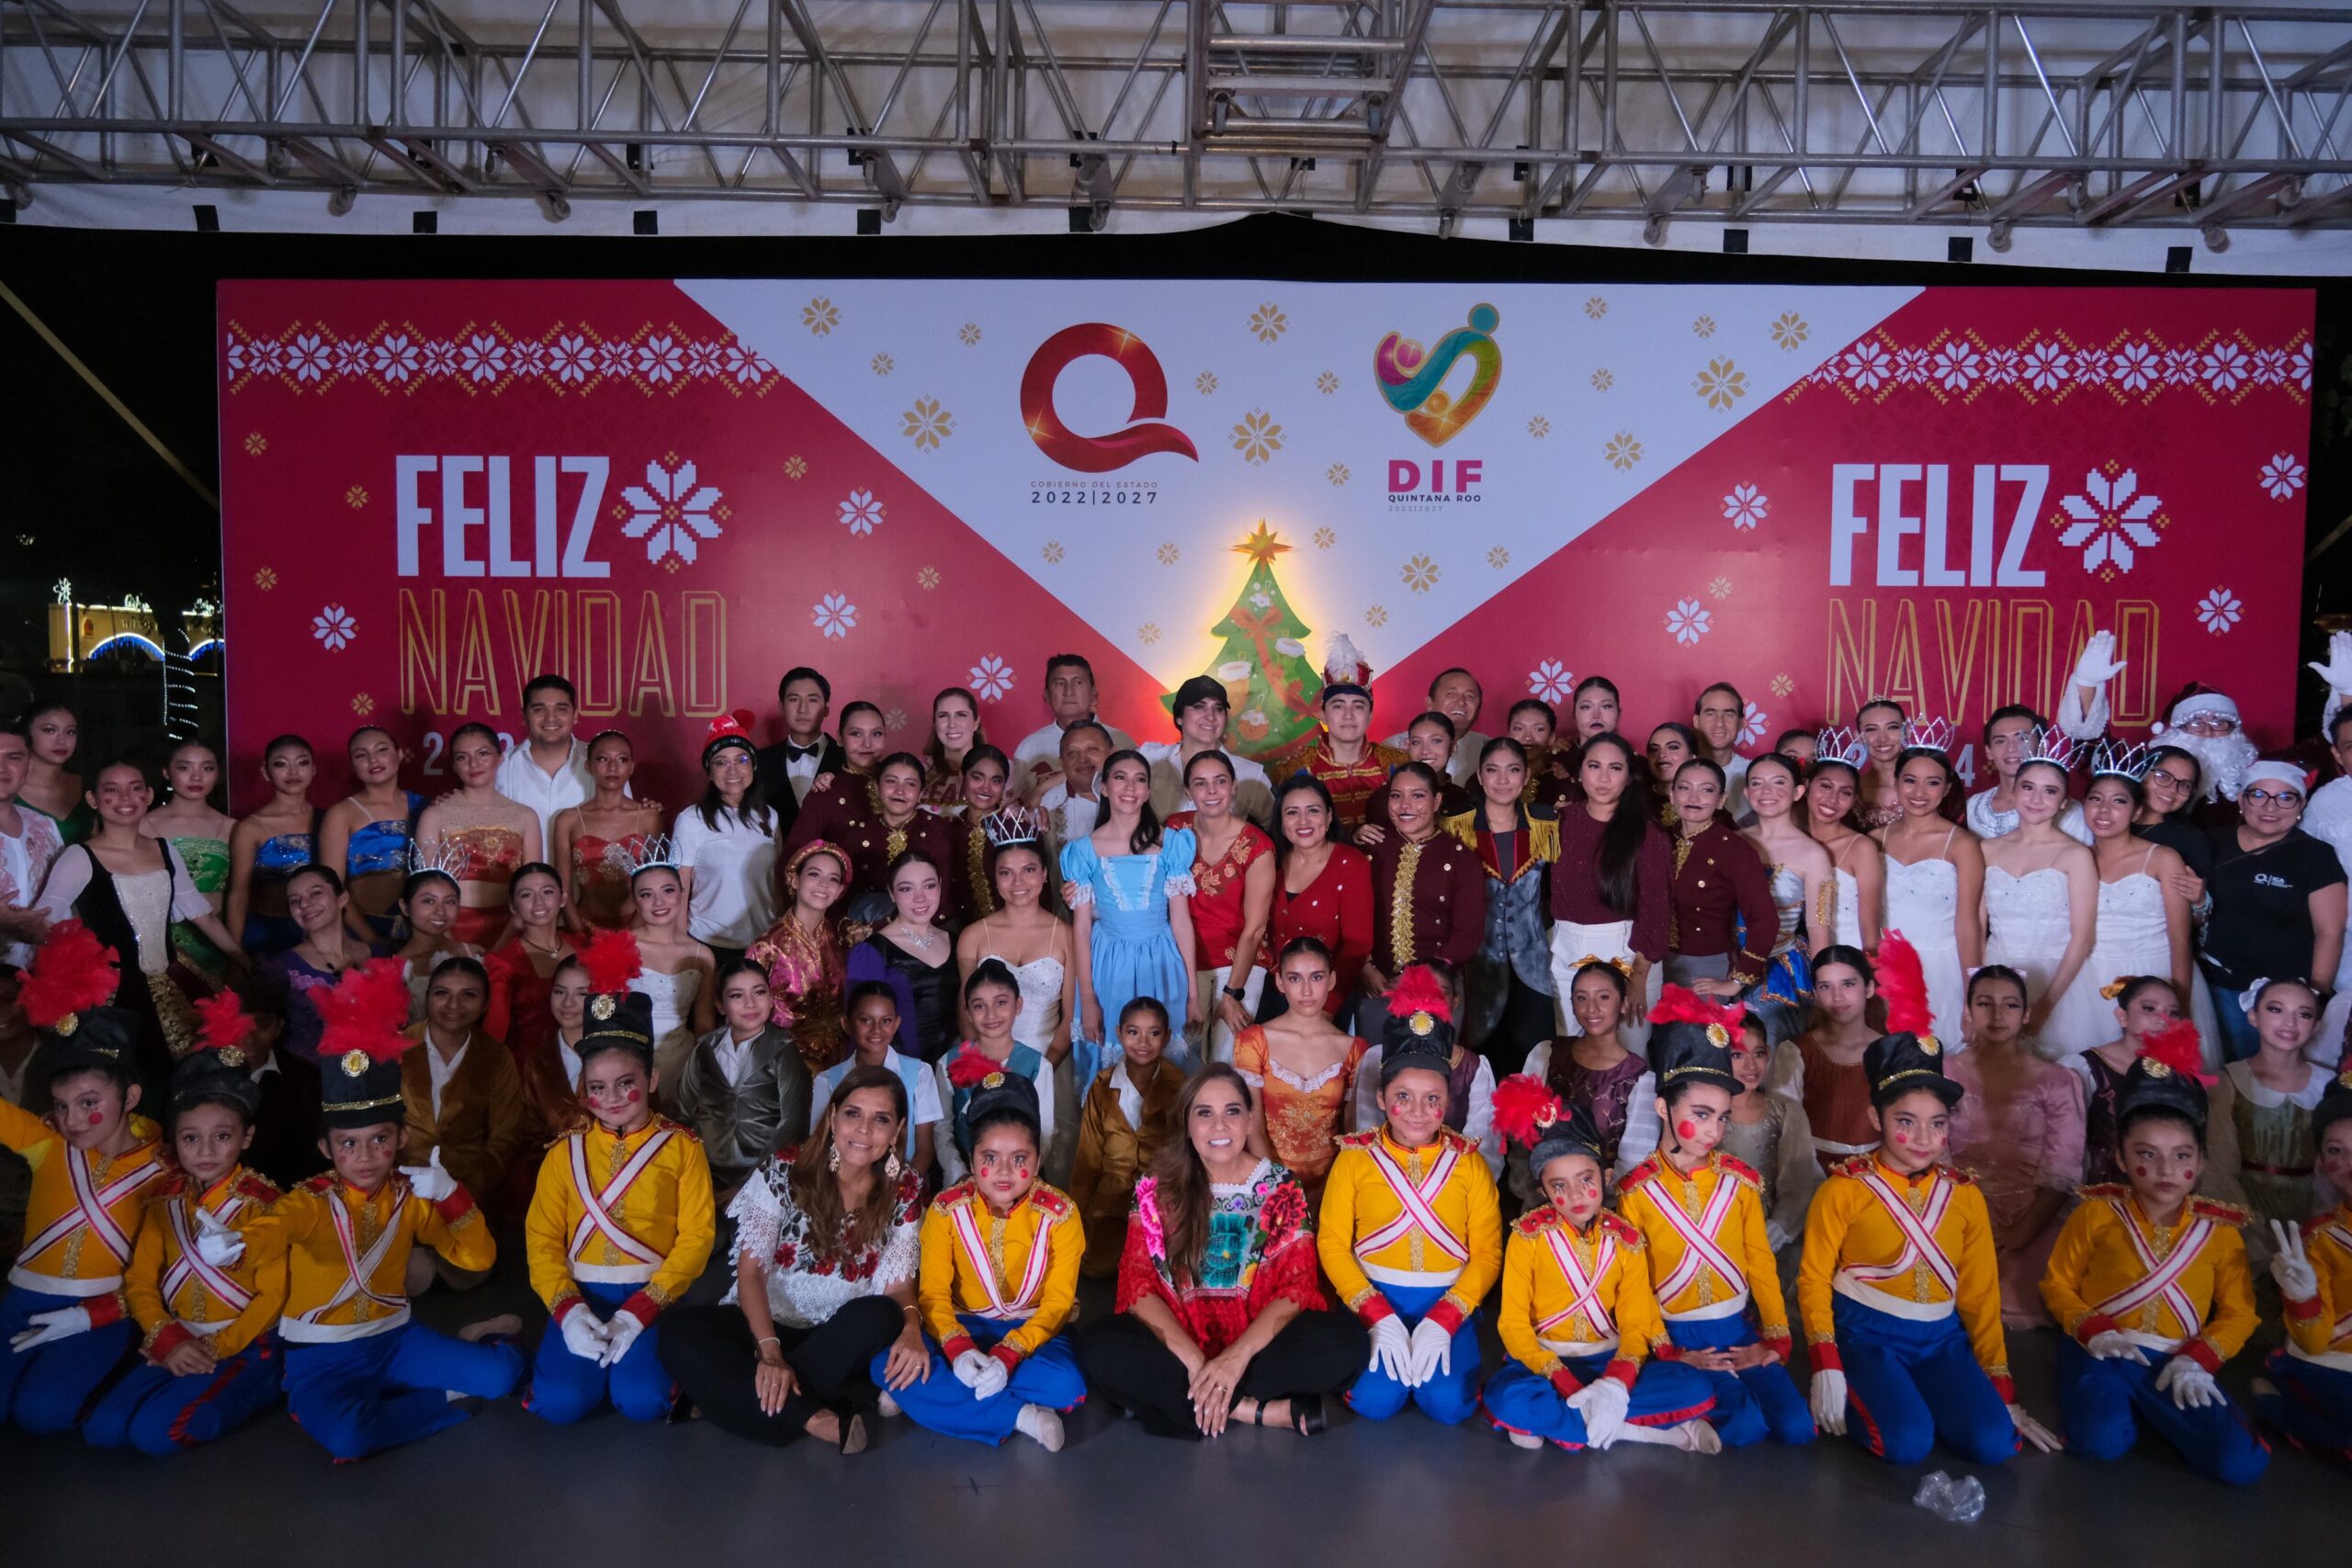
x: 673, y: 491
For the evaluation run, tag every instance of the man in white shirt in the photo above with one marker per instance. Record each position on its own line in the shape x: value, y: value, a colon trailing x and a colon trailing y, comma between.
x: 550, y: 771
x: 1069, y: 696
x: 1455, y: 693
x: 1071, y: 803
x: 1201, y: 710
x: 29, y: 842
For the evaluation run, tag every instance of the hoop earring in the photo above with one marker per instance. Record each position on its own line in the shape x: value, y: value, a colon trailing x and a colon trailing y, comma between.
x: 832, y: 1156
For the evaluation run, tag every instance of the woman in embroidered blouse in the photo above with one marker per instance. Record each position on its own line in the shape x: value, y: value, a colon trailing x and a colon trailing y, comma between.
x: 1322, y: 889
x: 1221, y: 1317
x: 806, y: 970
x: 826, y: 1248
x: 1301, y: 1068
x: 1130, y: 884
x: 1232, y: 902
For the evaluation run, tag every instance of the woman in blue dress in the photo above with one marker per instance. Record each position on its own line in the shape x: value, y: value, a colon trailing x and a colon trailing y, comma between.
x: 1129, y: 885
x: 368, y: 834
x: 270, y: 846
x: 1804, y: 877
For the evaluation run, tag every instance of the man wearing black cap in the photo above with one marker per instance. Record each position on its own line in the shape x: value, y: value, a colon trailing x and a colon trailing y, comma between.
x: 1200, y: 710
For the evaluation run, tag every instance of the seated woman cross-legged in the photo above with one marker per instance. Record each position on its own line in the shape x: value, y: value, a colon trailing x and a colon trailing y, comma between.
x: 1221, y: 1318
x: 825, y: 1256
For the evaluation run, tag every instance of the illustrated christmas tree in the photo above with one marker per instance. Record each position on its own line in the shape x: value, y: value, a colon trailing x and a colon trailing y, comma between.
x: 1272, y: 685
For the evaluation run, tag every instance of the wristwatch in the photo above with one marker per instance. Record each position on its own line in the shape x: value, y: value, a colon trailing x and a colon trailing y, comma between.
x: 1237, y: 993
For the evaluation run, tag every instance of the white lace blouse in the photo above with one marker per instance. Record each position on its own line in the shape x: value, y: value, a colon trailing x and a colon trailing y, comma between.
x: 804, y: 1289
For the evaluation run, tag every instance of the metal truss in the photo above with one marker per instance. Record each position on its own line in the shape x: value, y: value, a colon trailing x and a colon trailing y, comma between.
x: 1880, y: 111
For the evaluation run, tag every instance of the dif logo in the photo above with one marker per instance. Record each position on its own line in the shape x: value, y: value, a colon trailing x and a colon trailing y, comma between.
x: 1405, y: 478
x: 1412, y: 382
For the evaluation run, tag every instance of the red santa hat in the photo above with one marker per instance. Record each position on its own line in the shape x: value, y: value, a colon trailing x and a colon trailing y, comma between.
x: 2194, y: 699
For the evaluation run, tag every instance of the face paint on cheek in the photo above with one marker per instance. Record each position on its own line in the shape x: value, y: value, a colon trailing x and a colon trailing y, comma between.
x: 634, y: 1095
x: 1685, y: 1131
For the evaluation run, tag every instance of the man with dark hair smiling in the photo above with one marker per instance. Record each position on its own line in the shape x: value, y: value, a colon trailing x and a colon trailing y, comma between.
x: 1457, y: 693
x: 1070, y: 697
x: 549, y: 770
x: 785, y: 772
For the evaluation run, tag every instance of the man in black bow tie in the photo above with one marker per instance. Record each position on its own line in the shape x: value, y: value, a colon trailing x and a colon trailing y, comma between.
x: 786, y: 769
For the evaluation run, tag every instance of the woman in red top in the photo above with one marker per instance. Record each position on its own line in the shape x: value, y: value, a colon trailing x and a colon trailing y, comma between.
x: 1220, y: 1316
x: 1233, y: 896
x: 522, y: 971
x: 1322, y: 889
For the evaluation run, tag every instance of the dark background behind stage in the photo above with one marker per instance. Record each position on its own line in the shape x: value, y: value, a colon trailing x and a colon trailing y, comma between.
x: 87, y: 500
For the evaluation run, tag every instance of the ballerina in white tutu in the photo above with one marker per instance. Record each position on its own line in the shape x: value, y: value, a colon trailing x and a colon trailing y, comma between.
x: 2042, y: 894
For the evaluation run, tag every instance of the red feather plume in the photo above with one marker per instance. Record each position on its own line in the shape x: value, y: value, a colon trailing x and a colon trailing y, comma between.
x: 1418, y: 990
x: 612, y: 961
x: 365, y: 1011
x: 970, y: 1067
x: 1903, y: 986
x: 72, y: 970
x: 225, y: 1021
x: 1523, y: 1104
x: 1676, y: 1005
x: 2177, y: 1047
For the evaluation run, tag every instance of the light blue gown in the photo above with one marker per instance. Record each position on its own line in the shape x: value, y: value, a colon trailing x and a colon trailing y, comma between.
x: 1134, y: 946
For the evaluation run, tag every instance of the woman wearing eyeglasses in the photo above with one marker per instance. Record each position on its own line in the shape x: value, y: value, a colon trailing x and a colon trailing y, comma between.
x: 2279, y: 898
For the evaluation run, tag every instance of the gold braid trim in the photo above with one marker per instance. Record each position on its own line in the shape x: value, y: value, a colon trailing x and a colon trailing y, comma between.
x: 1682, y: 859
x: 1400, y: 906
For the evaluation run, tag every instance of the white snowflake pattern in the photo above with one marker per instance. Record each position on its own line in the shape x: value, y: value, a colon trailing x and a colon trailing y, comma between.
x: 569, y: 359
x: 2109, y: 519
x: 835, y: 615
x: 1551, y: 681
x: 2282, y: 476
x: 2299, y: 365
x: 992, y: 678
x: 660, y: 358
x: 1911, y: 365
x: 1751, y: 725
x: 2046, y: 367
x: 483, y: 358
x: 2269, y: 366
x: 307, y: 356
x: 2218, y: 611
x: 398, y: 357
x: 335, y: 627
x: 1746, y: 506
x: 2135, y: 367
x: 671, y: 512
x: 1956, y: 366
x: 2224, y: 367
x: 1867, y: 366
x: 1689, y: 621
x: 860, y: 512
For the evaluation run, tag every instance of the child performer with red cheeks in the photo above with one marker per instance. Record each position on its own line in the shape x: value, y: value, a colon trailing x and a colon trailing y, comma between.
x: 208, y: 1275
x: 1701, y: 1213
x: 95, y: 1164
x: 1899, y: 1288
x: 1579, y: 1316
x: 360, y: 1377
x: 620, y: 1225
x: 2307, y: 1393
x: 2150, y: 1283
x: 1410, y: 1233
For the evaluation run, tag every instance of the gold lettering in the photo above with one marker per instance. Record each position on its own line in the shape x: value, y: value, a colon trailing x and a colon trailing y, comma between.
x: 1853, y: 662
x: 424, y: 654
x: 650, y: 675
x: 2134, y: 697
x: 1958, y: 659
x: 1905, y: 682
x: 705, y: 614
x: 596, y: 652
x: 2029, y: 673
x: 477, y: 684
x: 549, y: 612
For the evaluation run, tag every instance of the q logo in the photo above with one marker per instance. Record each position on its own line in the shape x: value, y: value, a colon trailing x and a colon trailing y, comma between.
x: 1099, y: 454
x: 1410, y: 377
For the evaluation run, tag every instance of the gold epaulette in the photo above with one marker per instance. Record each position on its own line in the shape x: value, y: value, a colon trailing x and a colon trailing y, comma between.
x: 1535, y: 1221
x: 1358, y: 1140
x: 1628, y: 1234
x: 173, y: 1184
x: 1854, y: 1166
x: 253, y: 1184
x: 2103, y: 1189
x: 1542, y: 833
x: 678, y: 1127
x: 2215, y: 1209
x: 1052, y: 1200
x: 321, y: 1184
x: 1460, y: 1141
x: 143, y: 1131
x: 951, y: 1196
x: 1739, y: 1171
x: 1462, y: 825
x: 1644, y: 1171
x: 1387, y: 756
x: 1959, y: 1177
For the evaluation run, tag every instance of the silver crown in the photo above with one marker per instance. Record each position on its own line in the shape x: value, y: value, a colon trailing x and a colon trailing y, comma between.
x: 444, y: 855
x: 2048, y: 743
x: 1012, y: 825
x: 2123, y: 759
x: 1928, y: 734
x: 1839, y: 743
x: 629, y: 857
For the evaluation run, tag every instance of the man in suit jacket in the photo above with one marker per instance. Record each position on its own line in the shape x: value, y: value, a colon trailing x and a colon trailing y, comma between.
x: 786, y: 770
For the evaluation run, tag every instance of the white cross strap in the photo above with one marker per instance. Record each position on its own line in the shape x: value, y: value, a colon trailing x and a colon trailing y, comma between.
x: 360, y: 1270
x: 1919, y: 1242
x: 2162, y: 1281
x: 93, y: 1206
x: 596, y: 1207
x: 191, y: 1266
x: 976, y: 1252
x: 1415, y: 1202
x: 1701, y: 1249
x: 1584, y: 1289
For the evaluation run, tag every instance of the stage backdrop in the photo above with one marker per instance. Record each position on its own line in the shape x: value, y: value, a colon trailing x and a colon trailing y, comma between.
x: 672, y: 491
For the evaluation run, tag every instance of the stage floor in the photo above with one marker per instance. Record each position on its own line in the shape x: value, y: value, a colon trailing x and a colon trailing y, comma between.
x: 506, y: 1487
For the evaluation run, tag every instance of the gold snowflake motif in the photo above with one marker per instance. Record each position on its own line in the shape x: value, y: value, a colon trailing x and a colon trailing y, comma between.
x: 1420, y: 574
x: 1783, y: 685
x: 1705, y: 326
x: 969, y: 332
x: 1324, y: 537
x: 1377, y: 617
x: 356, y: 497
x: 1169, y: 554
x: 1602, y: 381
x: 363, y: 705
x: 821, y: 316
x: 1720, y: 588
x: 795, y: 466
x: 1257, y: 437
x: 928, y: 578
x: 1327, y: 383
x: 1206, y: 382
x: 927, y: 425
x: 1539, y: 427
x: 1267, y: 324
x: 1148, y: 633
x: 1498, y: 558
x: 256, y: 444
x: 1622, y: 451
x: 894, y: 720
x: 1053, y: 552
x: 1596, y: 307
x: 1338, y: 474
x: 265, y: 580
x: 882, y: 364
x: 1789, y: 329
x: 1722, y: 383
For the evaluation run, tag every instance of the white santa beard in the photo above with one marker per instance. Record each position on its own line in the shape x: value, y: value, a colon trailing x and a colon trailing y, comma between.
x: 2222, y: 759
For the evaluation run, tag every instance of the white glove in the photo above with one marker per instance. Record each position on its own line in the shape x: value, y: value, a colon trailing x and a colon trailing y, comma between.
x: 2043, y: 1440
x: 1432, y: 1351
x: 2337, y: 670
x: 217, y: 1243
x: 1392, y: 1350
x: 1602, y: 1403
x: 583, y: 1336
x: 2110, y: 1346
x: 428, y: 1180
x: 1775, y: 1236
x: 2191, y: 1385
x: 2290, y: 1265
x: 50, y: 1327
x: 621, y: 1330
x: 1829, y: 1401
x: 992, y: 1379
x: 971, y: 1367
x: 2098, y: 664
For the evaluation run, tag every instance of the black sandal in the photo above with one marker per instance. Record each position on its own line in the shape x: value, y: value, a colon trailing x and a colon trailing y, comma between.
x: 852, y: 1432
x: 1312, y: 1417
